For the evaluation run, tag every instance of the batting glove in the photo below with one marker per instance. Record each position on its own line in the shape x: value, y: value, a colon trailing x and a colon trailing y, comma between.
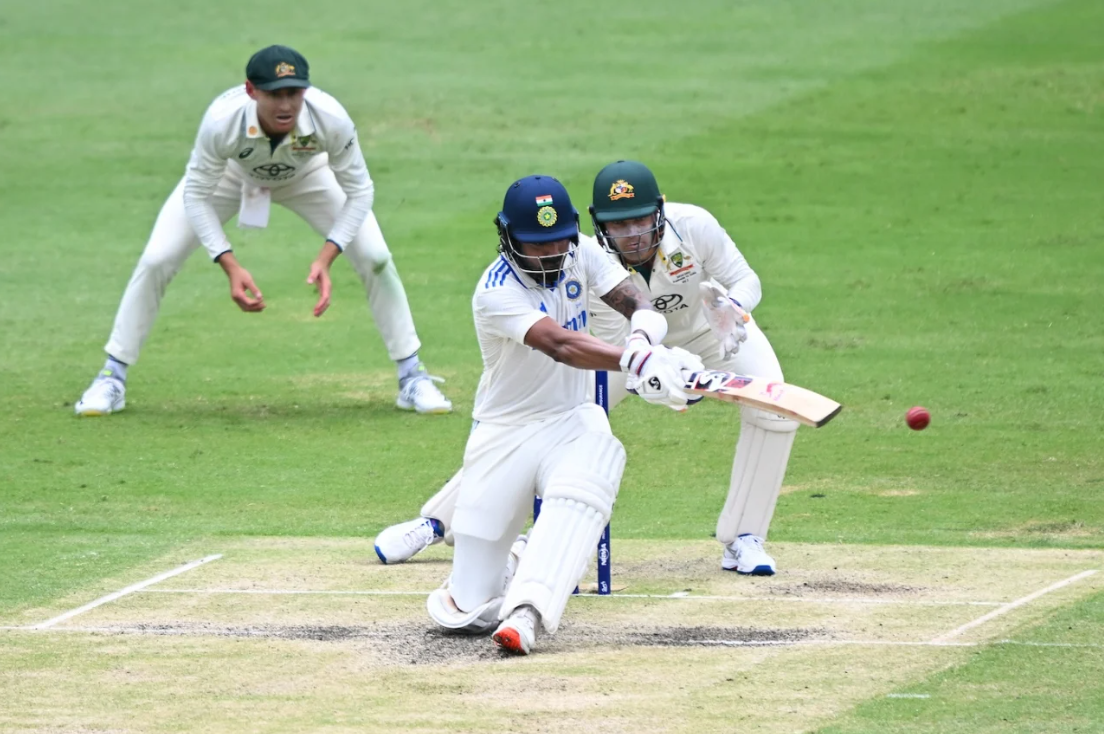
x: 658, y: 374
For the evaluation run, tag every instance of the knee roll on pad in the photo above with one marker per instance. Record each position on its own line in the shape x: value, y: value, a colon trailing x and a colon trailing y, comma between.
x: 588, y: 490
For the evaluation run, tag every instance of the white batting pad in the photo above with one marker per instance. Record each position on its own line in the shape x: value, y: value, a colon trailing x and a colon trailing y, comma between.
x: 443, y: 610
x: 579, y: 493
x: 442, y: 505
x: 762, y: 453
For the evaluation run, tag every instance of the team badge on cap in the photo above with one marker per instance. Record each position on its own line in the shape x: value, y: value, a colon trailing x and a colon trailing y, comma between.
x: 546, y: 215
x: 284, y: 69
x: 621, y: 189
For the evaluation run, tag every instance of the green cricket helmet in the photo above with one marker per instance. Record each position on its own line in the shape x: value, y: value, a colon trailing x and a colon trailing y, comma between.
x: 626, y: 190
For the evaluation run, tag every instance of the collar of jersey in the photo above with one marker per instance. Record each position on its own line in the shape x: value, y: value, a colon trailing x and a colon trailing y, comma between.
x: 664, y: 244
x: 304, y: 125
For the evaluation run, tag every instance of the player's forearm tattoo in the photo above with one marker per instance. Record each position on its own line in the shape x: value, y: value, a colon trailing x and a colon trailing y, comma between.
x: 625, y: 298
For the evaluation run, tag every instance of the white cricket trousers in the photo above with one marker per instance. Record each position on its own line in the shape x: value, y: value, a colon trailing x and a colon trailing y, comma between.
x: 317, y: 198
x: 505, y: 467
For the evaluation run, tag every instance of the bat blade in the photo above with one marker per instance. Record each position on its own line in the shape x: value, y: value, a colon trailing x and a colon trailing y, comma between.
x: 798, y: 403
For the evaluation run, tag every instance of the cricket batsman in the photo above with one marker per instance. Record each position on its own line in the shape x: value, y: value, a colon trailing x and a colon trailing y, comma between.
x: 692, y: 272
x: 537, y: 431
x: 273, y: 139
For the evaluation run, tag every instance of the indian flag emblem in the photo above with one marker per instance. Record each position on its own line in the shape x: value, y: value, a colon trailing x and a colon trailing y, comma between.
x: 545, y: 200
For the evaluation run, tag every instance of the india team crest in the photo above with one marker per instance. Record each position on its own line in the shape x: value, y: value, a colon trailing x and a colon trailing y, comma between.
x: 546, y: 215
x: 284, y: 69
x: 621, y: 189
x: 573, y: 289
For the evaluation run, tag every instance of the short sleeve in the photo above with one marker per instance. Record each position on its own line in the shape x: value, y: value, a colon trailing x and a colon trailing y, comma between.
x: 503, y: 311
x: 602, y: 273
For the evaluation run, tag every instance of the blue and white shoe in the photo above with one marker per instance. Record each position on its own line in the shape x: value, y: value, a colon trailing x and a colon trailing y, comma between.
x: 746, y: 555
x: 399, y: 543
x: 419, y: 392
x: 106, y: 395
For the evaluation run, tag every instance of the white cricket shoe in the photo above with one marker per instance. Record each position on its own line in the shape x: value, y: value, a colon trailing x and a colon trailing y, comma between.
x: 419, y: 393
x: 399, y: 543
x: 519, y: 631
x: 746, y: 555
x: 106, y: 395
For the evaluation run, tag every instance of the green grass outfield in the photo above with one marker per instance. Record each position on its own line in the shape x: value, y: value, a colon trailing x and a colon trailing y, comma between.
x: 918, y: 184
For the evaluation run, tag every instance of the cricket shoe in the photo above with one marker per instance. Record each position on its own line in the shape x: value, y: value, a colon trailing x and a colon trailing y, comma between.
x: 746, y: 555
x: 399, y: 543
x: 418, y: 392
x: 106, y: 395
x: 518, y: 632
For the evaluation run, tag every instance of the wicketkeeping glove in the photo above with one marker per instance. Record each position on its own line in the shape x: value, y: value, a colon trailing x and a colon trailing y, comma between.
x: 726, y: 318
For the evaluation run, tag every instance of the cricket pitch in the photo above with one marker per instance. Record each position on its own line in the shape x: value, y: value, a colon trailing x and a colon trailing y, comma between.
x: 293, y: 634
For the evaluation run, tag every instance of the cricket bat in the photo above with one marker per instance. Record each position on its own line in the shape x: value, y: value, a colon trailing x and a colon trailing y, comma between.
x: 804, y: 406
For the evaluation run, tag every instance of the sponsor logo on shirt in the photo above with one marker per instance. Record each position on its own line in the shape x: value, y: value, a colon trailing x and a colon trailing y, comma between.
x: 577, y: 323
x: 245, y: 154
x: 274, y: 171
x: 669, y: 303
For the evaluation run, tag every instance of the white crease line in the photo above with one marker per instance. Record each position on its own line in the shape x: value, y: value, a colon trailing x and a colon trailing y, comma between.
x: 677, y: 595
x: 908, y: 695
x: 123, y: 630
x: 795, y: 643
x: 1012, y: 605
x: 123, y: 592
x: 284, y: 592
x: 1095, y: 645
x: 807, y: 600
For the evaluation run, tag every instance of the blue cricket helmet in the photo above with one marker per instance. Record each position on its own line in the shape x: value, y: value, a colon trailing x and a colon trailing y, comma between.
x: 538, y: 209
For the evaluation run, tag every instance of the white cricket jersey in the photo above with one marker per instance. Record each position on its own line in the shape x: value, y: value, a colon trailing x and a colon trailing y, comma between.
x: 231, y: 136
x: 694, y: 248
x: 521, y: 384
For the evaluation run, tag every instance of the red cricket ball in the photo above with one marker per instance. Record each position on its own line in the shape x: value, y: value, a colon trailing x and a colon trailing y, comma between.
x: 918, y: 418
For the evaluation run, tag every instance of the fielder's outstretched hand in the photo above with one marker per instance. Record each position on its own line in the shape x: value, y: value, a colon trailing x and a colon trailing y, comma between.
x: 726, y: 318
x: 242, y: 288
x: 658, y: 374
x: 320, y: 278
